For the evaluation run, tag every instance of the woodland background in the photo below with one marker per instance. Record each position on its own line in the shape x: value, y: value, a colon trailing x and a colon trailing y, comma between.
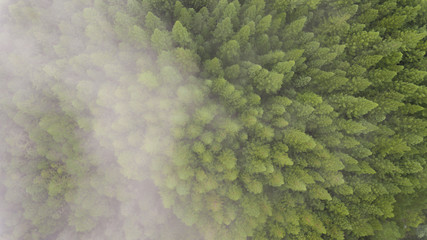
x: 206, y: 119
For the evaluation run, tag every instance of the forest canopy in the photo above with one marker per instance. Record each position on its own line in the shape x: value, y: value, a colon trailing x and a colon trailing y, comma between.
x: 213, y: 119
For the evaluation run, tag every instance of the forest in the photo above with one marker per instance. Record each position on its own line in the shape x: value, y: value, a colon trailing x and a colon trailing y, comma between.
x: 213, y: 119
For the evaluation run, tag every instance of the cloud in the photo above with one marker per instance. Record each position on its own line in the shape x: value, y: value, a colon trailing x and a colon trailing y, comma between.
x: 93, y: 110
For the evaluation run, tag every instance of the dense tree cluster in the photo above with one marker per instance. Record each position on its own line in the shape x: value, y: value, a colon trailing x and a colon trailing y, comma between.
x: 249, y: 119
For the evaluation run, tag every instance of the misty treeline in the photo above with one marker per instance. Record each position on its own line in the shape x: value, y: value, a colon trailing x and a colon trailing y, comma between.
x: 207, y: 119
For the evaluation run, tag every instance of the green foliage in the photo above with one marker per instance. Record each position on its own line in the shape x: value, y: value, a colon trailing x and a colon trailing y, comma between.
x: 161, y: 40
x: 354, y: 107
x: 202, y: 119
x: 229, y: 52
x: 263, y: 80
x: 300, y: 141
x: 224, y: 30
x: 180, y: 34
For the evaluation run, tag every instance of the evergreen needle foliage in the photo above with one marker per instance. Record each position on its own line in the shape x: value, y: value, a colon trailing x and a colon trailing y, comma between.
x: 213, y: 119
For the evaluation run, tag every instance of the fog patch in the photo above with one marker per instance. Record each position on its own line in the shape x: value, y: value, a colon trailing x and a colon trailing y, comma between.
x: 89, y: 114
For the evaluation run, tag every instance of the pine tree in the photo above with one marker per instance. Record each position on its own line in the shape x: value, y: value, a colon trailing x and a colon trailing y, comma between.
x: 180, y: 34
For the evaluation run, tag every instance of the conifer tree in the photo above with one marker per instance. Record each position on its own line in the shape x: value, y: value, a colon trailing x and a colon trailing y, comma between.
x: 202, y: 119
